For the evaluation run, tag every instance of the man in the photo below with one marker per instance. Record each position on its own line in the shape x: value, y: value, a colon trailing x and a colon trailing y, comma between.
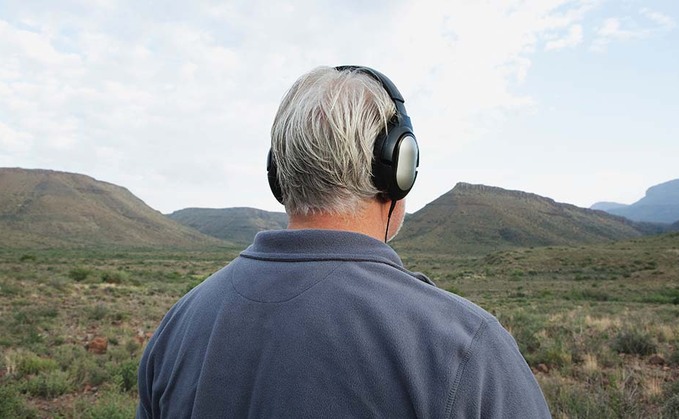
x: 322, y: 319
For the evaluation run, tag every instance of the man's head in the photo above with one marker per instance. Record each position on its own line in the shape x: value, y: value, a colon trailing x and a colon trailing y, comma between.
x: 323, y: 142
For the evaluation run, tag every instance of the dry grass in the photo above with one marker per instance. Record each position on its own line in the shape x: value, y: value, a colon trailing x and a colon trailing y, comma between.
x: 48, y: 319
x: 602, y: 321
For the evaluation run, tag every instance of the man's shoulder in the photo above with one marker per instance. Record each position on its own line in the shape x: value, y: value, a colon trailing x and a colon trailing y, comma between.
x: 395, y: 293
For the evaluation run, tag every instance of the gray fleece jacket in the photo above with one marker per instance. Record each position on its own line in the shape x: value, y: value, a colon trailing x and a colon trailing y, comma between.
x: 316, y: 323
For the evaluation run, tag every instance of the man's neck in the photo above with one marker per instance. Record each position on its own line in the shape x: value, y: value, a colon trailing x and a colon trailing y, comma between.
x: 371, y: 221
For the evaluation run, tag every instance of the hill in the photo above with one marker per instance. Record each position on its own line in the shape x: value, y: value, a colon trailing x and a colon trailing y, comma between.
x: 659, y: 205
x: 44, y: 208
x: 478, y: 219
x: 238, y: 225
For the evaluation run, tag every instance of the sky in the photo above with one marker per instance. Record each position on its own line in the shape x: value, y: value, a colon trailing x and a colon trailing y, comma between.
x: 575, y: 100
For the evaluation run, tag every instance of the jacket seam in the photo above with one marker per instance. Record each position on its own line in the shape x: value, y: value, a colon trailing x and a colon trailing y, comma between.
x: 332, y: 271
x: 453, y: 393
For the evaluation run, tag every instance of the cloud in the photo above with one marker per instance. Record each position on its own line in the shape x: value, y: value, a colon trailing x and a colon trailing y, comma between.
x: 663, y: 21
x: 14, y: 141
x: 173, y: 97
x: 572, y: 39
x: 629, y: 28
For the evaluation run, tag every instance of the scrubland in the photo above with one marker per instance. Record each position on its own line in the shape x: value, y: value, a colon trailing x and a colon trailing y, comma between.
x: 598, y: 324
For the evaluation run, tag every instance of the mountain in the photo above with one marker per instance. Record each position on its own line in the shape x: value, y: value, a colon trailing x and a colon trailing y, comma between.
x: 44, y: 208
x: 674, y: 227
x: 659, y: 205
x: 478, y: 219
x: 238, y: 225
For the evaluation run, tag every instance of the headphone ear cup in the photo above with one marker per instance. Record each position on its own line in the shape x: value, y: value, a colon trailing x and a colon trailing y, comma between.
x: 272, y: 175
x: 407, y: 159
x: 395, y: 163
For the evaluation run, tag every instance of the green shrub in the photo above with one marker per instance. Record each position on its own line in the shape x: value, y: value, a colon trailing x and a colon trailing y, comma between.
x: 115, y: 277
x: 125, y: 375
x: 48, y: 384
x: 109, y: 406
x: 524, y: 328
x: 83, y: 368
x: 9, y: 288
x: 88, y: 370
x: 670, y: 408
x: 98, y: 312
x: 34, y: 365
x: 588, y: 295
x: 634, y: 343
x: 66, y: 355
x: 553, y: 354
x: 674, y: 358
x: 79, y: 274
x: 23, y: 363
x: 571, y: 401
x: 12, y: 405
x: 665, y: 296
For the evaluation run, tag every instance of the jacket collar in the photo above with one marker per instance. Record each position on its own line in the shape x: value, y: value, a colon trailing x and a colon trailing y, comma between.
x: 320, y: 245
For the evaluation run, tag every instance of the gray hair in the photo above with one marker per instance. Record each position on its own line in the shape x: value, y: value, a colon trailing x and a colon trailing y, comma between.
x: 323, y: 137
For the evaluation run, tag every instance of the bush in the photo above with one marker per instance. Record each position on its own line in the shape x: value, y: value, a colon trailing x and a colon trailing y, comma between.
x: 665, y: 296
x: 554, y: 354
x: 9, y: 288
x: 125, y: 376
x: 79, y: 274
x: 588, y: 295
x: 87, y: 370
x: 66, y: 355
x: 22, y: 363
x: 572, y: 401
x: 634, y: 343
x: 12, y: 405
x: 48, y: 384
x: 98, y: 312
x: 670, y: 408
x: 674, y: 358
x: 33, y: 364
x: 525, y: 327
x: 83, y: 368
x: 115, y: 277
x: 109, y: 406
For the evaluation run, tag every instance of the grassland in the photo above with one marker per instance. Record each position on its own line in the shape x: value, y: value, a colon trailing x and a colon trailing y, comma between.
x: 54, y: 304
x: 599, y: 324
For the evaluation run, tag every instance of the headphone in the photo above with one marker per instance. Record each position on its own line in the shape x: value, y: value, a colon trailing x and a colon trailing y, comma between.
x: 396, y: 155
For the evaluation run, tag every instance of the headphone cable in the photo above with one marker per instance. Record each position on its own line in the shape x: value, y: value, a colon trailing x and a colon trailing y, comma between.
x: 391, y: 209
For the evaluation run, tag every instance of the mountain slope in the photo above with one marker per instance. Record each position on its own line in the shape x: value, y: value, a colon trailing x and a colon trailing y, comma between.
x: 659, y: 205
x: 238, y: 225
x: 477, y: 219
x: 47, y: 208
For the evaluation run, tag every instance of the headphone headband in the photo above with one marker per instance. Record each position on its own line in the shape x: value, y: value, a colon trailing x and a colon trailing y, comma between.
x: 387, y: 84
